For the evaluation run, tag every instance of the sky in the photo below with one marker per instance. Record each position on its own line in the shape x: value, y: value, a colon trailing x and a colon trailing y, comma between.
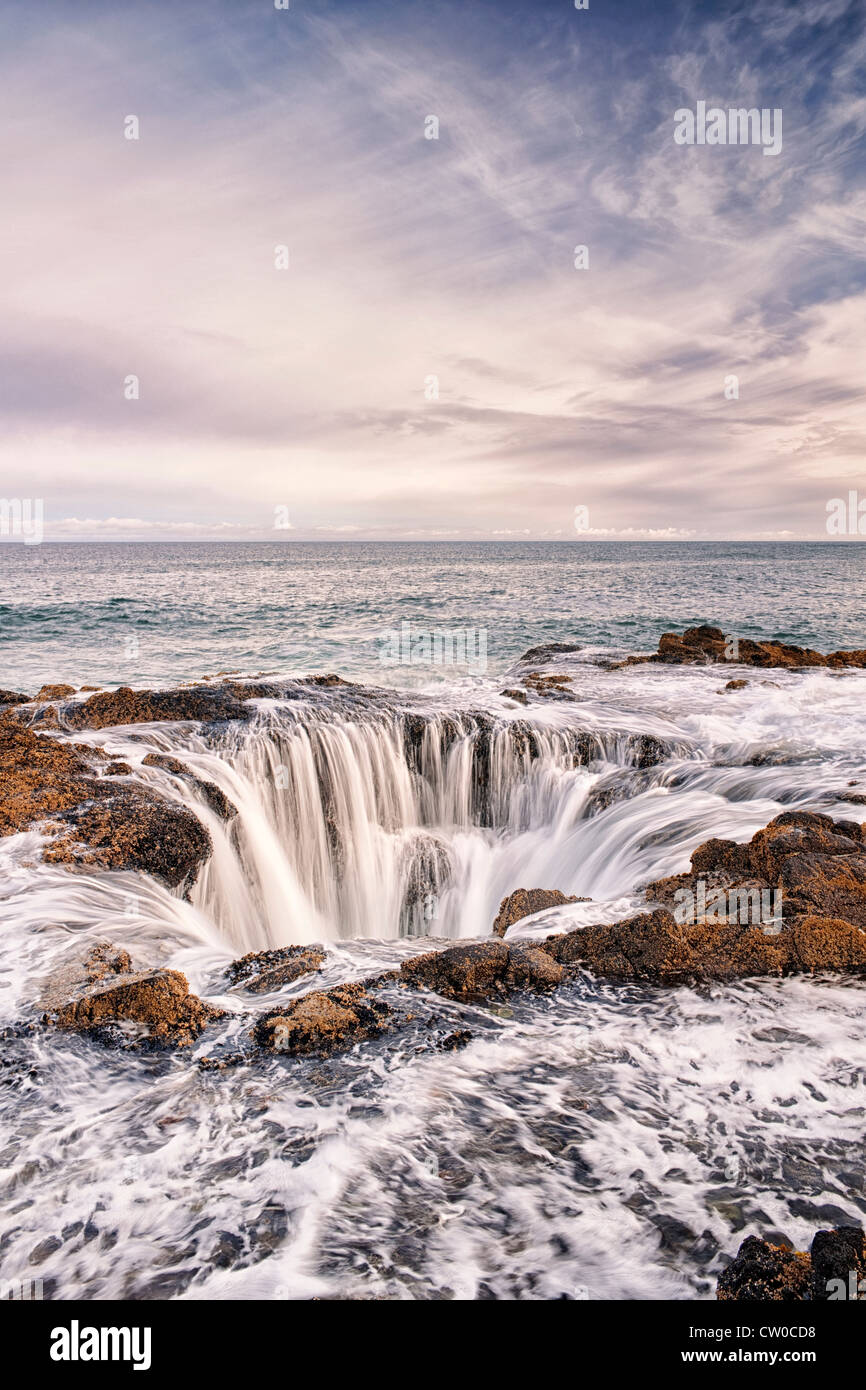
x: 431, y: 364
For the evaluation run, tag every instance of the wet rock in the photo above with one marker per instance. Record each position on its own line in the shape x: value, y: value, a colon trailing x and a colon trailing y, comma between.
x: 710, y: 644
x: 48, y: 781
x: 818, y: 866
x: 654, y: 946
x: 831, y: 1271
x: 836, y: 1256
x: 134, y: 831
x: 13, y: 697
x: 481, y: 970
x: 456, y: 1040
x: 736, y: 685
x: 765, y: 1272
x: 212, y: 794
x: 549, y: 685
x: 541, y: 655
x: 323, y: 1022
x: 427, y: 869
x: 523, y: 902
x: 518, y: 695
x: 263, y: 971
x: 159, y: 1000
x: 55, y: 692
x: 110, y: 708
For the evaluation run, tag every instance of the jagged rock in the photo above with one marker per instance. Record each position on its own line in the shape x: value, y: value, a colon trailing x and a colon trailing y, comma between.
x: 55, y: 692
x: 710, y: 644
x: 836, y: 1255
x: 481, y: 970
x: 263, y: 971
x: 817, y: 864
x: 454, y: 1041
x: 13, y: 697
x: 523, y: 902
x: 157, y: 999
x: 549, y: 684
x: 765, y: 1272
x: 518, y: 695
x: 547, y: 651
x: 212, y: 794
x: 654, y: 946
x: 109, y: 708
x: 322, y: 1022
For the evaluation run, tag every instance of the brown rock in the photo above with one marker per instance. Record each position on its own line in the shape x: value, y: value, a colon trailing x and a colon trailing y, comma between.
x: 212, y: 794
x: 263, y: 971
x: 55, y: 692
x: 480, y: 970
x: 110, y: 708
x: 736, y: 685
x: 323, y: 1022
x: 158, y: 999
x: 708, y: 644
x: 523, y: 902
x: 13, y: 697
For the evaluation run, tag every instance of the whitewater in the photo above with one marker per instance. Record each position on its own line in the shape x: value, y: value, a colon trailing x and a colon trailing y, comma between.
x: 606, y: 1142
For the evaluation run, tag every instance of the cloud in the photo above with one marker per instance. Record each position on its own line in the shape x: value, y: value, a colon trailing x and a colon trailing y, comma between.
x: 413, y: 260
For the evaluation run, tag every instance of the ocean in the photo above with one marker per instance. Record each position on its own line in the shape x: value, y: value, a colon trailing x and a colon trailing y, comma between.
x: 138, y: 613
x: 606, y: 1141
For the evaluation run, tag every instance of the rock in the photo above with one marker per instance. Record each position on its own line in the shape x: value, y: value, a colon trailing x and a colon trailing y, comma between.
x: 212, y: 794
x: 481, y: 970
x: 518, y: 695
x: 544, y: 684
x: 836, y: 1255
x: 13, y: 697
x: 263, y: 971
x: 110, y: 708
x: 765, y: 1272
x: 454, y: 1041
x: 736, y: 685
x: 547, y: 651
x: 818, y: 865
x: 524, y: 902
x: 656, y: 947
x: 710, y: 644
x: 158, y: 999
x: 47, y: 781
x: 322, y: 1022
x: 55, y: 692
x: 134, y: 831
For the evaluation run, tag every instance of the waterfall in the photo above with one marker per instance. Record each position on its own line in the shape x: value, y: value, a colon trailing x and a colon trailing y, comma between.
x: 388, y: 823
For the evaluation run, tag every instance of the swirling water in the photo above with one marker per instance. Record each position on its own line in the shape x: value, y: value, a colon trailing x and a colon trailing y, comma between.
x: 602, y: 1142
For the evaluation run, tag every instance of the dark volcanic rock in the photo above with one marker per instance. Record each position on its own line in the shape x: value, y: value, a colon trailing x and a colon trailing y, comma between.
x: 523, y: 902
x: 95, y: 821
x: 762, y: 1272
x: 765, y: 1272
x: 262, y: 971
x: 158, y: 999
x: 482, y: 970
x: 323, y: 1022
x: 212, y: 794
x: 204, y: 704
x: 836, y: 1255
x: 547, y: 651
